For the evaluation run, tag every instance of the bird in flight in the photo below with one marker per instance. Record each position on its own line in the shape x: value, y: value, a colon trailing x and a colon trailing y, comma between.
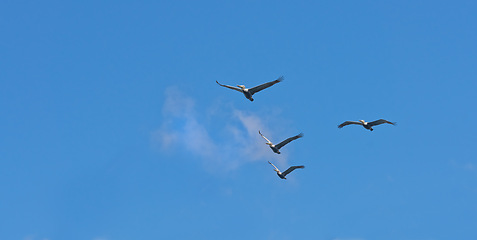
x: 367, y: 125
x: 248, y: 92
x: 289, y: 170
x: 276, y: 148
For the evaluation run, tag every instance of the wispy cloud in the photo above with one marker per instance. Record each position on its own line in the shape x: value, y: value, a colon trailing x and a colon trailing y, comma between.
x: 221, y: 137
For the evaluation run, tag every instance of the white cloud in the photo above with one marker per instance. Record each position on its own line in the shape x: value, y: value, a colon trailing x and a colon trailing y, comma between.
x: 222, y: 137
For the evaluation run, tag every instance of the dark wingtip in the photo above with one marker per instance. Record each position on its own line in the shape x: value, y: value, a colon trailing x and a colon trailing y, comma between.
x: 301, y: 135
x: 280, y: 78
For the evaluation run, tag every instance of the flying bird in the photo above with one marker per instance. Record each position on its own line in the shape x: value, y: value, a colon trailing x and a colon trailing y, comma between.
x: 367, y: 125
x: 277, y: 147
x: 248, y: 92
x: 289, y: 170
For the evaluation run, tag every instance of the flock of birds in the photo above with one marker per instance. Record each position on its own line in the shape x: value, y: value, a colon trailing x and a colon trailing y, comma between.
x: 249, y: 92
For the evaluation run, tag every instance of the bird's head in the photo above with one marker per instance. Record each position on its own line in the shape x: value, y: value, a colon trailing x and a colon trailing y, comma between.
x: 269, y: 144
x: 241, y: 86
x: 362, y: 121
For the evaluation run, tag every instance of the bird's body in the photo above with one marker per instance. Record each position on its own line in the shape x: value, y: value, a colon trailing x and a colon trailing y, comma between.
x: 276, y: 148
x: 289, y: 170
x: 281, y: 175
x: 366, y: 125
x: 248, y: 92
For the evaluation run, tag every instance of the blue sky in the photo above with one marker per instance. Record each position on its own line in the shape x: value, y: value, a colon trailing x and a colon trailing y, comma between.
x: 113, y: 126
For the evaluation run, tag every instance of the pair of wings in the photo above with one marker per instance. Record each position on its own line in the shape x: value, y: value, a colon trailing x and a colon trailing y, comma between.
x: 374, y: 123
x: 289, y: 170
x: 254, y: 89
x: 284, y: 142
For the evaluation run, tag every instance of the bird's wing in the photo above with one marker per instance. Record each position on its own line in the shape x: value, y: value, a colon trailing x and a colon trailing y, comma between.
x: 380, y: 121
x: 274, y: 166
x: 264, y: 136
x: 290, y: 169
x: 265, y: 85
x: 285, y: 142
x: 231, y: 87
x: 348, y: 123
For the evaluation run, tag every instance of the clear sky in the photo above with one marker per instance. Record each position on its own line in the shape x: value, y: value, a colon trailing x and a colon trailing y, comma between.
x: 112, y: 126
